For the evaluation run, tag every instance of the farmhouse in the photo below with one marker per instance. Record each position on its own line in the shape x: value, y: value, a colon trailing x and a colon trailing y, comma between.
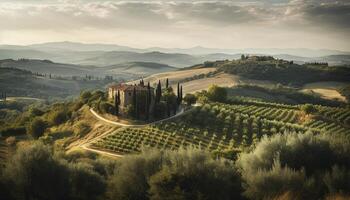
x: 126, y: 94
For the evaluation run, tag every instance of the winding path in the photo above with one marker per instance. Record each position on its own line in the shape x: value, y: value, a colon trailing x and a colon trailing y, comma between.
x: 85, y: 146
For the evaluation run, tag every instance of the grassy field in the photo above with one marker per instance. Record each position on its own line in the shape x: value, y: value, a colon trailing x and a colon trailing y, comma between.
x: 327, y: 90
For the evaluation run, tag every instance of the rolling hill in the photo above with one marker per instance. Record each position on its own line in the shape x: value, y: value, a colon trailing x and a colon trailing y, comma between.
x: 127, y: 70
x: 18, y: 82
x: 108, y: 54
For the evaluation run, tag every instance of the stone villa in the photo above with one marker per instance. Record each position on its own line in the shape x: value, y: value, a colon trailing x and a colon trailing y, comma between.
x: 126, y: 93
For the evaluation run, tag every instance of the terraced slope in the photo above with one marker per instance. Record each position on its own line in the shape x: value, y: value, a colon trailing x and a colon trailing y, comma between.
x: 3, y: 152
x: 221, y: 127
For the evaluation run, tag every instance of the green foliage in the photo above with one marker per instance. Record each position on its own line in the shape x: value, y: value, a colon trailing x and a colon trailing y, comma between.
x: 216, y: 93
x: 296, y: 162
x: 283, y: 71
x: 35, y: 173
x: 106, y: 107
x: 130, y: 111
x: 36, y: 128
x: 57, y: 117
x: 81, y: 129
x: 308, y: 108
x: 190, y: 99
x: 36, y: 112
x: 183, y: 174
x: 12, y: 131
x: 85, y: 96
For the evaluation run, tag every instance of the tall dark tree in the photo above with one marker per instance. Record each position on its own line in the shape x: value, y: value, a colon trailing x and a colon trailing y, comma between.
x: 148, y: 101
x: 149, y: 93
x: 117, y: 102
x: 167, y: 83
x: 158, y: 92
x: 134, y: 101
x: 178, y: 94
x: 181, y: 94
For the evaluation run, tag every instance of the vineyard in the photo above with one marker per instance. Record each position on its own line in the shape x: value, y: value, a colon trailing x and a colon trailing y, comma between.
x: 3, y: 152
x: 221, y: 127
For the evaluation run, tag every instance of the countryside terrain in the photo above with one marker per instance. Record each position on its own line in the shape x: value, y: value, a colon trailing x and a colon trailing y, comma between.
x: 257, y: 126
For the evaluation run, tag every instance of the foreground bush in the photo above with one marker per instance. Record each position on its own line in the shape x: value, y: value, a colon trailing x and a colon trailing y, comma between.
x: 35, y: 173
x: 186, y: 174
x: 304, y: 164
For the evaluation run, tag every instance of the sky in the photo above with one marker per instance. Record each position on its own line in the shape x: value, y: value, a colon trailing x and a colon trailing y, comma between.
x: 235, y: 24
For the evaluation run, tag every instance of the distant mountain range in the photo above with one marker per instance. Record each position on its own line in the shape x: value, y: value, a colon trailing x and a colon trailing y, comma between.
x: 127, y: 70
x: 101, y: 55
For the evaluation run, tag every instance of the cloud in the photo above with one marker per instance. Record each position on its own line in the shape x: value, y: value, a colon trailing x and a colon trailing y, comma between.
x: 322, y: 13
x: 196, y: 21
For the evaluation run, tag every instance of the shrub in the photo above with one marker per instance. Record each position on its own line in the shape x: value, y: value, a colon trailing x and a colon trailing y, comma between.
x: 34, y: 172
x: 216, y: 93
x: 81, y: 129
x: 58, y: 117
x: 297, y: 163
x: 36, y: 128
x: 183, y: 174
x: 12, y: 131
x: 85, y: 96
x: 105, y: 107
x: 308, y: 108
x: 190, y: 99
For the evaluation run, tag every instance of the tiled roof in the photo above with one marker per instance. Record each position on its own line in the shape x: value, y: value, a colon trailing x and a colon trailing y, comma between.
x: 125, y: 87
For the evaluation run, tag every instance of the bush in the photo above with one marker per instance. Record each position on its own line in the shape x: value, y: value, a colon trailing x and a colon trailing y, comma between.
x: 308, y: 108
x: 12, y: 131
x: 85, y: 96
x: 216, y: 93
x: 183, y: 174
x: 34, y: 172
x: 295, y: 162
x: 105, y: 107
x: 36, y: 128
x: 81, y: 129
x: 58, y: 117
x: 190, y: 99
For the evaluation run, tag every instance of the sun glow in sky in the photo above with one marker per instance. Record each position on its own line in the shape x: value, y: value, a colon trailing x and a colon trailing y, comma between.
x: 320, y: 24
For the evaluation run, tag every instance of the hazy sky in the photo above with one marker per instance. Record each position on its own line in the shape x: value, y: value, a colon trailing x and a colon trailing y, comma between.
x: 164, y: 23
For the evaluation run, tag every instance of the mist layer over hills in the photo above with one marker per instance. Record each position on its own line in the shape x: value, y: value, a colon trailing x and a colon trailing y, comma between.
x: 109, y: 54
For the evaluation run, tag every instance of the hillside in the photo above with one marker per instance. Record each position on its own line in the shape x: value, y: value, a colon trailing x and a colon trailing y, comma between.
x: 17, y: 82
x: 137, y: 68
x: 124, y: 71
x: 47, y: 67
x: 285, y: 72
x: 108, y: 54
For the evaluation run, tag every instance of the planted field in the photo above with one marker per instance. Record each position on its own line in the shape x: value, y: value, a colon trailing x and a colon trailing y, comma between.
x: 3, y: 152
x: 221, y: 127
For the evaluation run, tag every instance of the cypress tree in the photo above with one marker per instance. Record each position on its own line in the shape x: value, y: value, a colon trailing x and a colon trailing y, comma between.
x: 181, y: 95
x: 178, y: 93
x: 134, y: 103
x: 117, y: 102
x: 149, y: 93
x: 158, y: 92
x: 147, y: 105
x: 167, y: 83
